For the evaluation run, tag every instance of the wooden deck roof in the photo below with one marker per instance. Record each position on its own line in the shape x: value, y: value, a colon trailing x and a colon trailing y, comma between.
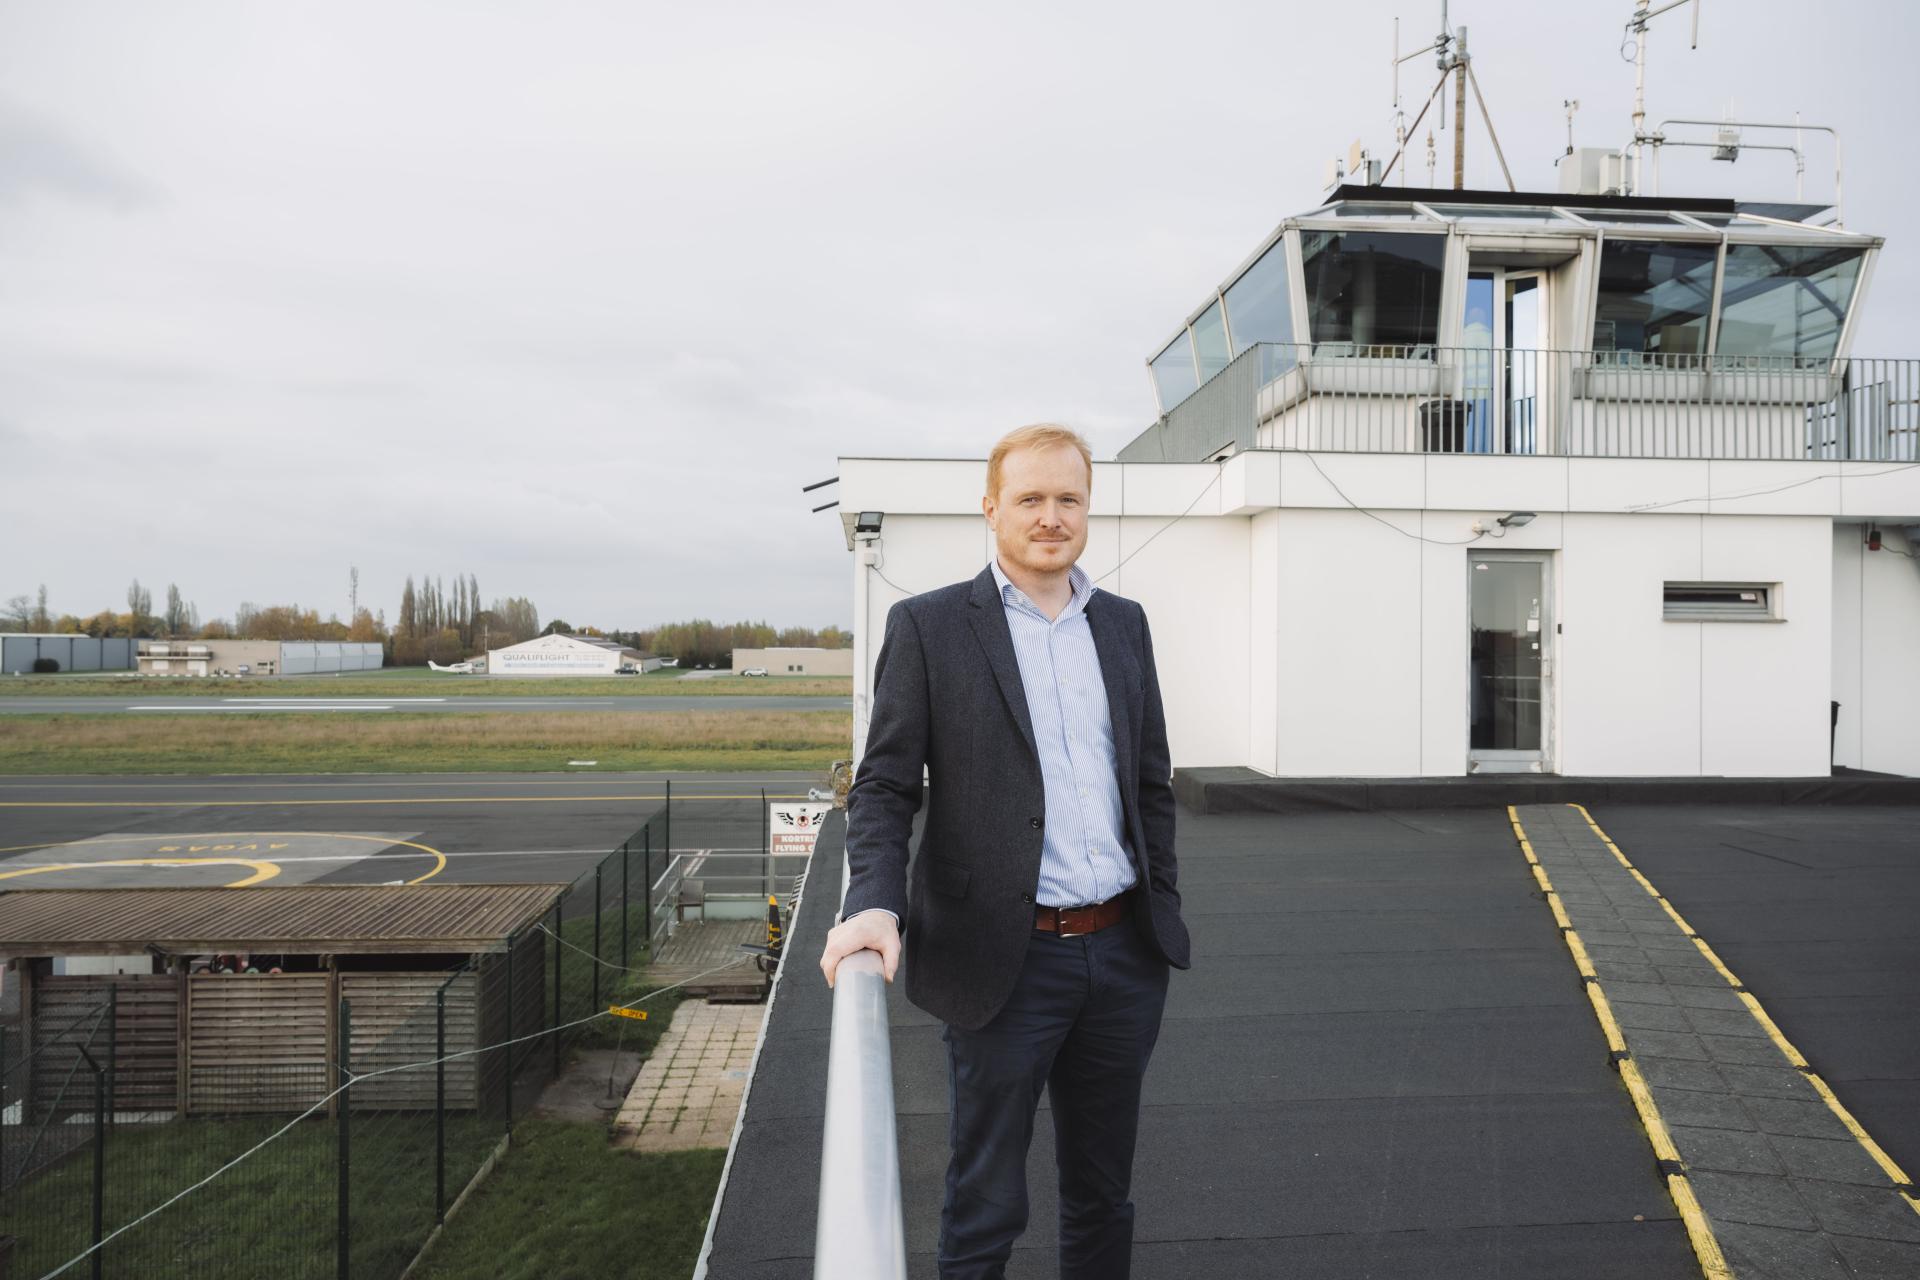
x: 340, y: 919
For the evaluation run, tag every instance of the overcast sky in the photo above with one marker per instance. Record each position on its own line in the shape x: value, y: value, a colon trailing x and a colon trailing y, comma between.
x: 576, y: 296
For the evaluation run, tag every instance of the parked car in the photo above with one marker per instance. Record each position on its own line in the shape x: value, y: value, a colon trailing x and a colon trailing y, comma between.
x: 754, y: 671
x: 628, y: 670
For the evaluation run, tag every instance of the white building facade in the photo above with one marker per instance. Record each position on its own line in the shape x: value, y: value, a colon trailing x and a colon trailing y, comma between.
x: 566, y: 655
x: 1591, y: 492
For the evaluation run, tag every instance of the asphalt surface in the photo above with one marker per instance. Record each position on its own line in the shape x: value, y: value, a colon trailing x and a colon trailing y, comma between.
x: 1381, y: 1064
x: 490, y: 828
x: 314, y: 704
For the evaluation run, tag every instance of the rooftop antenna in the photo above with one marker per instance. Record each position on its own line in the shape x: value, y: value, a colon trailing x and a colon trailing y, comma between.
x: 1644, y: 13
x: 1571, y: 105
x: 1450, y: 56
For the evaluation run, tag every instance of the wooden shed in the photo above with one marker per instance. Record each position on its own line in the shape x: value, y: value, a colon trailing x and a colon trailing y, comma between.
x: 187, y: 1040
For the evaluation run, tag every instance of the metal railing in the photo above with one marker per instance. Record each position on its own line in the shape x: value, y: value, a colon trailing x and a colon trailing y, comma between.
x: 721, y: 874
x: 1350, y: 397
x: 860, y: 1233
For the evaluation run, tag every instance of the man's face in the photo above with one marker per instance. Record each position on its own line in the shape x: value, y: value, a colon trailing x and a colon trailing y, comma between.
x: 1039, y: 517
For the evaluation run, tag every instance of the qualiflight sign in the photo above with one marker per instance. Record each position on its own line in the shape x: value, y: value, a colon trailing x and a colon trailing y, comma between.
x: 792, y: 829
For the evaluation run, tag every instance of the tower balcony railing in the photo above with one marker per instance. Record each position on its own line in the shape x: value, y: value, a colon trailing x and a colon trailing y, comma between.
x: 1358, y: 397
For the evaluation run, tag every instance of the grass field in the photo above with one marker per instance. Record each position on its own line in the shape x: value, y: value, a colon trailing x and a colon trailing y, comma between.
x: 414, y: 682
x: 563, y: 1205
x: 274, y: 1214
x: 393, y: 742
x: 560, y: 1203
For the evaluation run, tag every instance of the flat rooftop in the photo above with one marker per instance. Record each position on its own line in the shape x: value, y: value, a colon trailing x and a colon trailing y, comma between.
x: 1384, y: 1060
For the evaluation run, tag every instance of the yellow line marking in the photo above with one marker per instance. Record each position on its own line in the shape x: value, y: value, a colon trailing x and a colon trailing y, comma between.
x: 262, y: 871
x: 1713, y: 1263
x: 242, y: 804
x: 1793, y: 1055
x: 439, y: 858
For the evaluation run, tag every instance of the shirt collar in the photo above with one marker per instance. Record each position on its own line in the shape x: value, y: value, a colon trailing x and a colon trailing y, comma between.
x: 1081, y: 585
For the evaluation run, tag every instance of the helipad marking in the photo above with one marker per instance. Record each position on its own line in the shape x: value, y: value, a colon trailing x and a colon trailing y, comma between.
x: 439, y: 858
x: 262, y: 871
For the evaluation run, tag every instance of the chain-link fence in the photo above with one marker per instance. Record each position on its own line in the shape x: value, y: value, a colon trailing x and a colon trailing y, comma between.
x: 302, y: 1165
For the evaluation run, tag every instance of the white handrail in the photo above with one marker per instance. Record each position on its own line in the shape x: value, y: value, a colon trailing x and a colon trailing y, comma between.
x: 860, y: 1234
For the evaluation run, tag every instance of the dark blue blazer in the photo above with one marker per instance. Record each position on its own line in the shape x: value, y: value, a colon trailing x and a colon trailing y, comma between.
x: 947, y: 699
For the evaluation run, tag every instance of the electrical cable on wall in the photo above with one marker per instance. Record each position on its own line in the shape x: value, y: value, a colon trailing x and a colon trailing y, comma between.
x: 1761, y: 493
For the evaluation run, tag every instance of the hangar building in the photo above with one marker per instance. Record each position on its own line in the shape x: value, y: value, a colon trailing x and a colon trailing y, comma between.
x: 794, y: 661
x: 567, y: 655
x: 19, y: 649
x: 256, y: 657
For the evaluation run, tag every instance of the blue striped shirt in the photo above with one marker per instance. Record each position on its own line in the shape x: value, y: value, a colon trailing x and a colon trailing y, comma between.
x: 1084, y: 856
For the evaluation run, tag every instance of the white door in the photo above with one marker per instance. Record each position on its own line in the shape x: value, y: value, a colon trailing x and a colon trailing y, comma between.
x: 1505, y: 336
x: 1509, y: 663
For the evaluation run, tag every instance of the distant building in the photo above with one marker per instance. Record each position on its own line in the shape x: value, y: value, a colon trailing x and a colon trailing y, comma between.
x: 795, y: 662
x: 567, y: 655
x: 20, y: 649
x: 256, y: 657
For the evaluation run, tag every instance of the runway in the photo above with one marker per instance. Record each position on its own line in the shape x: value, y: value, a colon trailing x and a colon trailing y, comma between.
x: 71, y: 832
x: 314, y: 704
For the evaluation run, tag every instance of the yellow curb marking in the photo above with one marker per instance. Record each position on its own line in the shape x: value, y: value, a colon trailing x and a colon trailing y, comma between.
x: 1767, y: 1024
x: 439, y: 858
x: 1706, y: 1248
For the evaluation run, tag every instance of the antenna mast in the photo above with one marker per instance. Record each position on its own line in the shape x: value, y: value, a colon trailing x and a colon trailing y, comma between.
x: 1643, y: 13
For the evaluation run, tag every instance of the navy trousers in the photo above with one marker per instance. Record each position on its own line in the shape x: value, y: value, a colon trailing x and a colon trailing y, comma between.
x: 1081, y: 1024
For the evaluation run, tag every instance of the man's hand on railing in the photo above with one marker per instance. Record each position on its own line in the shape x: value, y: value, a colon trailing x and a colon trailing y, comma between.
x: 868, y: 931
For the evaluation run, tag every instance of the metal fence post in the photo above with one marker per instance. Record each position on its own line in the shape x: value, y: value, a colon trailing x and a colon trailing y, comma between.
x: 440, y: 1104
x: 342, y: 1242
x: 596, y: 940
x: 113, y: 1049
x: 555, y: 1022
x: 646, y: 874
x: 99, y: 1156
x: 626, y: 903
x: 512, y: 946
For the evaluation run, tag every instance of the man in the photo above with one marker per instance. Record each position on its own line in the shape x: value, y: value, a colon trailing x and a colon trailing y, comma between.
x: 1043, y: 914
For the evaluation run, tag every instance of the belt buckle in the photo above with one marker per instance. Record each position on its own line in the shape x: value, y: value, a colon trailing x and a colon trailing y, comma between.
x: 1060, y: 920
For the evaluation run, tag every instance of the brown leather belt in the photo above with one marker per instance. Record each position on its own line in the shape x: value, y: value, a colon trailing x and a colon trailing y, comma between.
x: 1069, y: 921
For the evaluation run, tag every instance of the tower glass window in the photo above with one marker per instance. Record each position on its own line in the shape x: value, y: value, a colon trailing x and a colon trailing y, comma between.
x: 1173, y: 373
x: 1372, y: 288
x: 1655, y: 297
x: 1783, y: 300
x: 1210, y: 342
x: 1259, y: 307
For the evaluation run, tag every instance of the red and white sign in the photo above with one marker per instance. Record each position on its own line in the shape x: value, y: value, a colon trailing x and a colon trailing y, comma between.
x: 793, y: 828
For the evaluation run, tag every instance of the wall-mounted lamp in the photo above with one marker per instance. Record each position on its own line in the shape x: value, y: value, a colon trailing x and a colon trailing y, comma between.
x: 1515, y: 519
x: 868, y: 522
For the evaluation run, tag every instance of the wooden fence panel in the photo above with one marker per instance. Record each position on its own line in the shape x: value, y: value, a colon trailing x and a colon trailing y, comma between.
x: 257, y: 1042
x: 394, y: 1023
x: 146, y: 1020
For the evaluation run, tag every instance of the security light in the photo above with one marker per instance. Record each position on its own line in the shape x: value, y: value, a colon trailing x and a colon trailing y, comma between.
x: 1513, y: 520
x: 868, y: 521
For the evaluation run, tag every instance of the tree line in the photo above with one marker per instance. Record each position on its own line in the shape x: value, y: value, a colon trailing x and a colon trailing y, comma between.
x: 440, y: 619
